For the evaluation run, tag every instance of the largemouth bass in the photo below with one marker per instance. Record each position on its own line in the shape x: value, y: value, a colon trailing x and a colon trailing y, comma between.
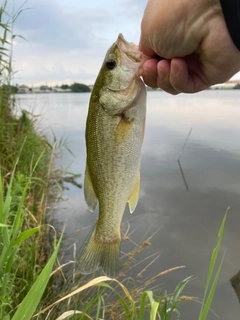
x: 114, y: 135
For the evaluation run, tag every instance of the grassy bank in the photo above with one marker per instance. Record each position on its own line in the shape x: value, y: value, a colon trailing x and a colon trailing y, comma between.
x: 128, y: 299
x: 25, y: 162
x: 25, y: 168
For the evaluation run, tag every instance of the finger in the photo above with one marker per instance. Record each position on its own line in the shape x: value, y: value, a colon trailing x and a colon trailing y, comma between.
x: 145, y: 47
x: 163, y: 73
x: 184, y: 78
x: 150, y: 72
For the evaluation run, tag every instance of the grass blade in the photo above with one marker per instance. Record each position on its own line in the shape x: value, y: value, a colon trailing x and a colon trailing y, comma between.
x: 208, y: 303
x: 206, y: 307
x: 31, y: 301
x: 142, y: 305
x: 153, y: 304
x: 24, y: 235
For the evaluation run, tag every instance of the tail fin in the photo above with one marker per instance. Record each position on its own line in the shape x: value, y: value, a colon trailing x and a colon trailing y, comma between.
x: 98, y: 255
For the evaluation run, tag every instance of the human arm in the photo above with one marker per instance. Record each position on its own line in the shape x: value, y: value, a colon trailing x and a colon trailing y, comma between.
x: 193, y: 41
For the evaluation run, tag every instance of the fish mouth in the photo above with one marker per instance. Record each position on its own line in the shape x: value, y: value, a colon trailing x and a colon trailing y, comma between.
x: 130, y: 61
x: 132, y: 52
x: 130, y: 49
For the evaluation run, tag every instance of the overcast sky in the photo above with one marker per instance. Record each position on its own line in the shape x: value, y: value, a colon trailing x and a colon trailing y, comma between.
x: 68, y: 39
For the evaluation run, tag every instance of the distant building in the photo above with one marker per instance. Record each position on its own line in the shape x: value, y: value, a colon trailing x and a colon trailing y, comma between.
x: 59, y: 89
x: 36, y: 90
x: 23, y: 89
x: 227, y: 85
x: 42, y: 89
x: 234, y: 82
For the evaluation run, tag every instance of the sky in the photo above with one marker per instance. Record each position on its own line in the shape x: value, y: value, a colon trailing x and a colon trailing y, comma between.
x: 66, y: 41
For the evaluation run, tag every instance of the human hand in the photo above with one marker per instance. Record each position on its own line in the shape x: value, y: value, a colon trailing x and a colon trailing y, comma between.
x: 193, y: 42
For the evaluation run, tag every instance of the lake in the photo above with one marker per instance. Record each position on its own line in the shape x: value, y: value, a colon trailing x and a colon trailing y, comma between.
x: 185, y: 214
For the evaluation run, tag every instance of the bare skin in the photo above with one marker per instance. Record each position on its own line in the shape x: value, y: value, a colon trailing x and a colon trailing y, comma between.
x: 194, y: 44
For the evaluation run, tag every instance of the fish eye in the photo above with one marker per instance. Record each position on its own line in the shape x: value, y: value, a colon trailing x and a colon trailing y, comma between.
x: 111, y: 64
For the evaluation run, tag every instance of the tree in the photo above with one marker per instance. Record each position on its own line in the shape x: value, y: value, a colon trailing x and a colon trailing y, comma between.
x: 43, y: 88
x: 79, y: 87
x: 237, y: 86
x: 64, y: 86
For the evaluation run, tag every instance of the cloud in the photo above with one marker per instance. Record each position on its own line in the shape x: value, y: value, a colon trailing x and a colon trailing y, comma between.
x: 48, y: 24
x: 68, y: 41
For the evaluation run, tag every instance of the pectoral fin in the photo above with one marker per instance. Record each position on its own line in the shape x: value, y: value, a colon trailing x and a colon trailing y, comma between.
x: 123, y: 130
x: 133, y: 200
x: 89, y: 193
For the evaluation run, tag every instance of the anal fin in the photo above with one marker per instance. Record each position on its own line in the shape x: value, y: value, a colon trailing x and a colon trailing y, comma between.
x: 89, y: 193
x: 133, y: 200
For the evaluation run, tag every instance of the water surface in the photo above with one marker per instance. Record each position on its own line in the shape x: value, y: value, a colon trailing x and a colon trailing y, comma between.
x: 188, y: 221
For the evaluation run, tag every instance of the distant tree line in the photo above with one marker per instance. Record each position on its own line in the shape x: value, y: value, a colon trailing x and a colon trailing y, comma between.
x: 237, y: 86
x: 76, y: 87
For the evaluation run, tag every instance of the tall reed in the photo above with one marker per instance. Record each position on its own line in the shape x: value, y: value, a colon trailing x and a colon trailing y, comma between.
x: 25, y: 168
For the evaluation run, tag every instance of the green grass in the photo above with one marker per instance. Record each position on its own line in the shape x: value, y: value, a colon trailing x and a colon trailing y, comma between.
x: 134, y: 303
x: 18, y: 257
x: 212, y: 280
x: 25, y: 169
x: 31, y: 301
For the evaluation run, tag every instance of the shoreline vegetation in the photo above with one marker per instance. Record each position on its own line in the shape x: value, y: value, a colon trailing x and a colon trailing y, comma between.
x: 26, y: 169
x: 82, y: 88
x: 75, y: 87
x: 32, y: 281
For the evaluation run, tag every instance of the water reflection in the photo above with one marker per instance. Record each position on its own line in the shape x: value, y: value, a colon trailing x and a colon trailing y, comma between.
x: 179, y: 162
x: 188, y: 221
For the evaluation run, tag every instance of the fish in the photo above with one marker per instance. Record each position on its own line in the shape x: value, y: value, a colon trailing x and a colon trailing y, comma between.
x: 114, y: 134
